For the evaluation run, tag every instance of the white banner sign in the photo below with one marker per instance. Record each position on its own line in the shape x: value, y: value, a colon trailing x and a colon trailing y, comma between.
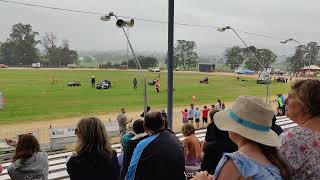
x: 111, y: 127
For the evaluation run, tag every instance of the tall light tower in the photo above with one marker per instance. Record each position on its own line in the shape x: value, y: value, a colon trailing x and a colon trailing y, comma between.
x: 121, y: 24
x: 265, y: 68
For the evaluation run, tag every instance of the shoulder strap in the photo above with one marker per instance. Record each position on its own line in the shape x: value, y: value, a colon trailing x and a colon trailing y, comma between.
x: 136, y: 156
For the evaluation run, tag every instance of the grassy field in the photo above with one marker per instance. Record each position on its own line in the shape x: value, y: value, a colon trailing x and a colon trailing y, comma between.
x: 31, y: 97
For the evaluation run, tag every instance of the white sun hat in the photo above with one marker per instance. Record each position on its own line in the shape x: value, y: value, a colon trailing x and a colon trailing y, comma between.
x: 250, y: 117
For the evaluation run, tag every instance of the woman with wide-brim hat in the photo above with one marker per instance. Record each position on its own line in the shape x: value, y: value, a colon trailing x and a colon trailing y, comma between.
x: 249, y: 123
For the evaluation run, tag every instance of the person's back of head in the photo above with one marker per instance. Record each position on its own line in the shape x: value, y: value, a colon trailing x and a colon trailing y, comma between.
x: 188, y: 129
x: 185, y: 110
x: 123, y: 110
x: 92, y: 138
x: 154, y: 122
x: 148, y: 108
x: 26, y: 147
x: 138, y: 127
x: 204, y: 107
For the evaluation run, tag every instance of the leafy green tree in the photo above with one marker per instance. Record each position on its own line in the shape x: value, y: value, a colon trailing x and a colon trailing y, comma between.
x: 58, y: 55
x: 304, y: 55
x: 265, y: 57
x: 234, y: 57
x: 21, y: 46
x: 184, y: 54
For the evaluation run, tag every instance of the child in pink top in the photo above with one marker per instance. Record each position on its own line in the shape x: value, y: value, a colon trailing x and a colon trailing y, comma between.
x: 185, y: 116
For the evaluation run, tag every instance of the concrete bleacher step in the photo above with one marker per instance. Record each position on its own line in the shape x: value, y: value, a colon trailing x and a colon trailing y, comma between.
x: 57, y: 165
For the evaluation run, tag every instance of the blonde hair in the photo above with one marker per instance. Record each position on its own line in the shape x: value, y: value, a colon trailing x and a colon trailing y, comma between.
x: 92, y: 138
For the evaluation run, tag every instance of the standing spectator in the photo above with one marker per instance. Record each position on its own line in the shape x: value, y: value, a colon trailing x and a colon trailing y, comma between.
x: 93, y: 81
x: 28, y: 162
x: 124, y: 142
x: 218, y: 106
x: 249, y: 125
x: 192, y: 146
x: 148, y: 109
x: 123, y: 121
x: 157, y: 85
x: 283, y: 105
x: 279, y: 103
x: 191, y: 113
x: 94, y: 158
x: 197, y: 117
x: 135, y: 83
x: 215, y: 144
x: 1, y: 168
x: 205, y: 113
x: 301, y: 145
x: 131, y: 145
x: 185, y: 115
x: 158, y: 157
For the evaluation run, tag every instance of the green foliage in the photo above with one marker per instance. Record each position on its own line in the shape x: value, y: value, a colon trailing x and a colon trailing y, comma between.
x: 184, y: 55
x: 145, y: 62
x: 304, y: 55
x: 265, y: 57
x: 31, y: 96
x: 234, y: 56
x: 58, y: 55
x: 20, y: 48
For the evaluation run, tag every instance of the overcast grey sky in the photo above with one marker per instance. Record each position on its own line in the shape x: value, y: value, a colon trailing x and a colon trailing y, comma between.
x: 277, y: 18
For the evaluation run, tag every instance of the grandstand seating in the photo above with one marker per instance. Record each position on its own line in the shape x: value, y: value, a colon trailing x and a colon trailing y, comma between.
x: 57, y: 162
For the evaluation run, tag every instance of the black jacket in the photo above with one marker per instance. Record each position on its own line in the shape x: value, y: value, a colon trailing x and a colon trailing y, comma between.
x: 162, y: 159
x: 218, y: 143
x: 127, y: 154
x: 93, y: 167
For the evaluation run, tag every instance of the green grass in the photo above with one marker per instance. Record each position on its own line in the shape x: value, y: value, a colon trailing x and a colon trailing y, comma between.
x: 31, y: 97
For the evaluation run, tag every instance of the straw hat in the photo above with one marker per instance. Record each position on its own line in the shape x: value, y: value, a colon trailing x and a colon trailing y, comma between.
x: 250, y: 117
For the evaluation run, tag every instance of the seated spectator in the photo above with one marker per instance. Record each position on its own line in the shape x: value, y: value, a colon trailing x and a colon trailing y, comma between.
x: 192, y: 146
x: 124, y: 141
x: 249, y: 125
x: 275, y: 127
x: 131, y: 144
x: 129, y: 135
x: 215, y: 144
x: 148, y: 109
x: 301, y: 145
x: 158, y: 157
x: 94, y: 158
x: 28, y: 162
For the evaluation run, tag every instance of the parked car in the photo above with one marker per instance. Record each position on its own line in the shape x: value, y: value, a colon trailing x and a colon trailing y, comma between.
x: 74, y: 83
x: 154, y: 69
x: 105, y: 84
x: 3, y: 66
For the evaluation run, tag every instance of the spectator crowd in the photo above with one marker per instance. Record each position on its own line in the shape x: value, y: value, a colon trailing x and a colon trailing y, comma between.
x: 241, y: 142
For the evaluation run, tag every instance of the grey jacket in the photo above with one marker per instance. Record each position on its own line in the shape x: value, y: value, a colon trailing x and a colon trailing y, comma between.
x: 34, y: 168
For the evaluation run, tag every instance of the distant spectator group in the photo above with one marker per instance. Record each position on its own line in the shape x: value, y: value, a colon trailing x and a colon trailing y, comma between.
x: 242, y: 142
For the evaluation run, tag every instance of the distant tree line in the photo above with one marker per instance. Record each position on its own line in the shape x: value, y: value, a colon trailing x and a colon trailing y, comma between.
x: 304, y: 55
x: 21, y: 48
x: 145, y: 62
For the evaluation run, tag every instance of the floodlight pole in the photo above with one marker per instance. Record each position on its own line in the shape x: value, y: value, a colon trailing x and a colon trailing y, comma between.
x: 139, y: 68
x: 170, y: 62
x: 268, y: 78
x: 107, y: 18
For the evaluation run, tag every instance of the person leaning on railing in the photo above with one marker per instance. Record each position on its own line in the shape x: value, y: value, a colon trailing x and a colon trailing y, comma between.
x: 301, y: 145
